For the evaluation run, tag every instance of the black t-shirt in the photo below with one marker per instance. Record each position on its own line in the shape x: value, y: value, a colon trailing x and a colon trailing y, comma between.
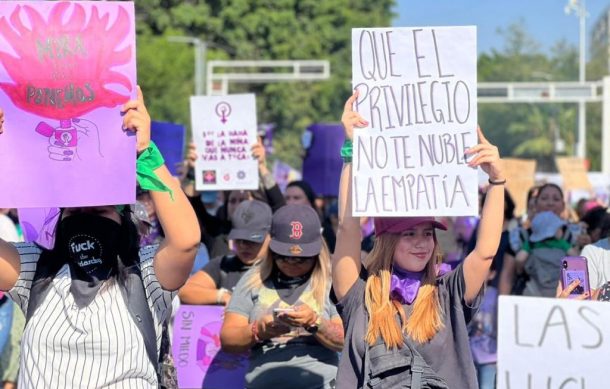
x: 226, y: 271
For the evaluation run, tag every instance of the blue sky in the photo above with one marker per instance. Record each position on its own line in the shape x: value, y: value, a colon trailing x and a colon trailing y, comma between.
x: 545, y: 20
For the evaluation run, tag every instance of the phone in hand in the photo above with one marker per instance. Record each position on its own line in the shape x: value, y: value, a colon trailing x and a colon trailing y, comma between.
x: 277, y: 311
x: 572, y: 269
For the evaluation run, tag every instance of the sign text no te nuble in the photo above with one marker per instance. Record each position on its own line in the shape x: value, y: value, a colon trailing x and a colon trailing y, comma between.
x: 417, y: 89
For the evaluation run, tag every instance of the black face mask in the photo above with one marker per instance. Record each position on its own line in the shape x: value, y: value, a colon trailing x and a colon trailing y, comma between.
x: 90, y: 245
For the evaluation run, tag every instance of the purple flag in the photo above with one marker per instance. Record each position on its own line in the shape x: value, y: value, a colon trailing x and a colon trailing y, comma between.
x: 196, y: 350
x: 322, y: 164
x: 66, y: 68
x: 169, y: 138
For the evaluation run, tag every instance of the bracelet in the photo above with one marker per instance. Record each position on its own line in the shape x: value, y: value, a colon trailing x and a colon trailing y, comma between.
x: 254, y: 329
x: 221, y: 292
x: 148, y: 161
x: 501, y: 182
x: 346, y: 151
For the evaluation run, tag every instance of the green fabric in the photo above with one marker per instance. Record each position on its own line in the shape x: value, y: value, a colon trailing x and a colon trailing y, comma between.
x: 149, y: 161
x: 346, y: 151
x: 549, y: 243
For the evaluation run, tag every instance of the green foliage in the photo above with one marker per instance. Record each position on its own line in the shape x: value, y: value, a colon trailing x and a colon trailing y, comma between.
x: 532, y: 130
x: 255, y: 30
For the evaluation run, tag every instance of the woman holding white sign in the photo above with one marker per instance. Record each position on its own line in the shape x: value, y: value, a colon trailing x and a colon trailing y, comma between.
x: 404, y: 317
x: 96, y: 303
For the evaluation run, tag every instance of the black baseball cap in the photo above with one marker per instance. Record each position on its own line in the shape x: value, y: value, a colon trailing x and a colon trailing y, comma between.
x: 251, y: 221
x: 296, y: 231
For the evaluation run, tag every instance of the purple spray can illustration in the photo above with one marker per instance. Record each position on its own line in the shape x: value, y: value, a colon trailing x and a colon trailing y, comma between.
x: 62, y: 136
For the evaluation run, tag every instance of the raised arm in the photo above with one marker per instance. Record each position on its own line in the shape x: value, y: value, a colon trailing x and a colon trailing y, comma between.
x: 10, y: 264
x: 477, y: 263
x: 174, y: 259
x: 267, y: 185
x: 346, y: 263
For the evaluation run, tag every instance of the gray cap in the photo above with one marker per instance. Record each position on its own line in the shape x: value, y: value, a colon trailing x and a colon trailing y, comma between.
x: 251, y: 221
x: 545, y: 225
x: 295, y: 231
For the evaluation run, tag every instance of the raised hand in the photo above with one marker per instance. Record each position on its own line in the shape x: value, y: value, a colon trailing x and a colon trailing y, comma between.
x: 351, y: 118
x: 137, y: 119
x: 487, y: 157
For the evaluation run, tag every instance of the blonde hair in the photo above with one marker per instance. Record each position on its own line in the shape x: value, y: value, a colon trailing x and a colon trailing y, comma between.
x: 425, y: 320
x: 320, y: 277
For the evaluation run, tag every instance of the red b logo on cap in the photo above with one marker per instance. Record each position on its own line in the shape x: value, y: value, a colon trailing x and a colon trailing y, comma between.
x: 297, y: 230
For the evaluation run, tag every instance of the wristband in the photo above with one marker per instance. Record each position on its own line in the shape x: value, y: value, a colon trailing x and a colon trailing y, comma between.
x: 313, y: 328
x: 346, y: 151
x: 501, y: 182
x: 148, y: 161
x: 221, y: 292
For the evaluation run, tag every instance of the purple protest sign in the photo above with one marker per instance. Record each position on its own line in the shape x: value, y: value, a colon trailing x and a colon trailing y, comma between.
x: 322, y: 164
x: 169, y: 138
x: 265, y: 130
x: 66, y: 68
x: 196, y: 349
x: 38, y: 225
x: 284, y: 174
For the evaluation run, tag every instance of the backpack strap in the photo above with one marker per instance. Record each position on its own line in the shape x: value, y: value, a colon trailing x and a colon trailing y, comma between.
x: 367, y: 363
x: 46, y: 270
x: 417, y: 366
x: 137, y: 304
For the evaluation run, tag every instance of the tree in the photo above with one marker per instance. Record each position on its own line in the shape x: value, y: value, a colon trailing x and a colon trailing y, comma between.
x: 529, y: 130
x: 255, y: 30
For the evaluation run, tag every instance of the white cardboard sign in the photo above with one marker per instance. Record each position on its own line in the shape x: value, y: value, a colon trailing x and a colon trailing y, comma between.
x: 418, y: 90
x: 552, y: 343
x: 224, y: 130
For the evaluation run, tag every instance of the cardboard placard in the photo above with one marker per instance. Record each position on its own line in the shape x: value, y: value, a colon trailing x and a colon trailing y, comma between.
x: 552, y: 343
x: 520, y: 178
x: 196, y: 349
x: 224, y: 130
x: 66, y: 69
x: 418, y: 90
x: 573, y: 173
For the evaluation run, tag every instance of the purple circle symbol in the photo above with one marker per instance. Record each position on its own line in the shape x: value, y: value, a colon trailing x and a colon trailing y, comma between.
x: 223, y: 111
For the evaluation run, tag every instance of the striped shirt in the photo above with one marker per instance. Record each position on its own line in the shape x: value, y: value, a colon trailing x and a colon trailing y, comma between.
x: 97, y: 346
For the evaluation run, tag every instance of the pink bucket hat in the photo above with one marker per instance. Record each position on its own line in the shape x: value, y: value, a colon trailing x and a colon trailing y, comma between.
x: 396, y: 225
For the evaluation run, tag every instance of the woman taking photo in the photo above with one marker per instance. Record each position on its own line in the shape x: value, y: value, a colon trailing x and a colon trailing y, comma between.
x: 83, y: 332
x: 405, y: 321
x: 281, y: 312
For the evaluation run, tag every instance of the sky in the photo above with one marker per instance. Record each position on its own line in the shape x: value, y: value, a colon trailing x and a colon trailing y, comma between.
x: 544, y: 20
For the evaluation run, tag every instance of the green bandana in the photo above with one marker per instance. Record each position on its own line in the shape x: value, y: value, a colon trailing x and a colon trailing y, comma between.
x: 148, y: 161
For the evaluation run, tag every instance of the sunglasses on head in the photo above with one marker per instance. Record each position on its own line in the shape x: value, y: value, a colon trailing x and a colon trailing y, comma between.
x: 294, y: 260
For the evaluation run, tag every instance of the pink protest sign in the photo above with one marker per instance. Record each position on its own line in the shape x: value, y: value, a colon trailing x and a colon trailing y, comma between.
x: 66, y: 68
x: 38, y: 225
x: 196, y: 350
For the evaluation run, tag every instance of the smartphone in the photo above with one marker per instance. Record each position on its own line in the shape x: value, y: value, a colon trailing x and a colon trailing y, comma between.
x: 277, y: 311
x: 575, y: 268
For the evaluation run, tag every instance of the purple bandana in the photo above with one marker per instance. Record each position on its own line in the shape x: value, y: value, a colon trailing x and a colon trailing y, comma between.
x: 405, y: 284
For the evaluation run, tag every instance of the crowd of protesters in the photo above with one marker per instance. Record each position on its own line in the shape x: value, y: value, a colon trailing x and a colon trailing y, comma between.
x: 309, y: 290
